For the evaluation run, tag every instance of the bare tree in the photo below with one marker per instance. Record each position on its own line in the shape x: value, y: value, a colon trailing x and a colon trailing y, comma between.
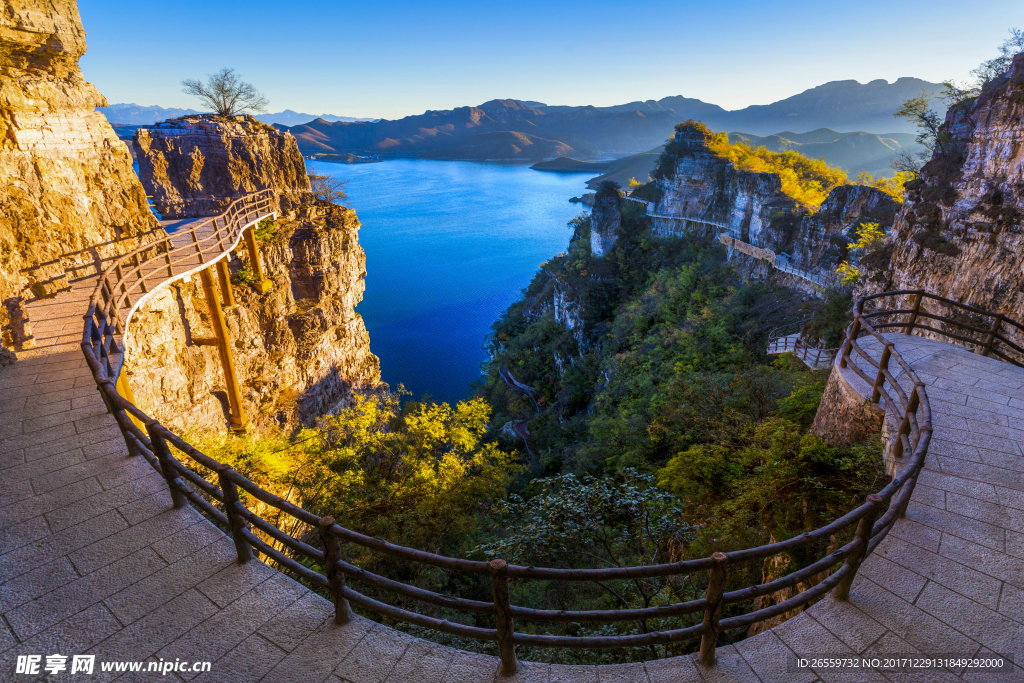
x: 226, y: 93
x: 328, y: 188
x: 994, y: 68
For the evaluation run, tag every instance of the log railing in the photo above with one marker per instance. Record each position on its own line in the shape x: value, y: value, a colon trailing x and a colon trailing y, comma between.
x: 252, y: 533
x: 788, y: 340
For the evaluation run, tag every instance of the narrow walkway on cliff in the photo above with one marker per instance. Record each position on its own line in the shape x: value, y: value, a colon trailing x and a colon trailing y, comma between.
x: 94, y: 559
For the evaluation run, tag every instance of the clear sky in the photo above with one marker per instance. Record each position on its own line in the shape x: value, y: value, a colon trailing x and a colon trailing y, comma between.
x: 392, y: 59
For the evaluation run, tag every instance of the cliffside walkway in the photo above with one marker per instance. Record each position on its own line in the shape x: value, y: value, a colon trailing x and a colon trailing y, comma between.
x: 94, y: 559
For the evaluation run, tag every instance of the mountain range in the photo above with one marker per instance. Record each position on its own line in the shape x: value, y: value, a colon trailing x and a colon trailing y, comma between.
x: 615, y: 131
x: 140, y: 115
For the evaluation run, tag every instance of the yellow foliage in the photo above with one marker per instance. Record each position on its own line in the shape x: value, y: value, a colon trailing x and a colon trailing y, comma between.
x: 807, y: 181
x: 847, y: 274
x: 894, y: 187
x: 868, y: 235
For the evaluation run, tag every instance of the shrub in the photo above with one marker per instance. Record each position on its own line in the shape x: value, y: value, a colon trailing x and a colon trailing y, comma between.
x: 265, y: 230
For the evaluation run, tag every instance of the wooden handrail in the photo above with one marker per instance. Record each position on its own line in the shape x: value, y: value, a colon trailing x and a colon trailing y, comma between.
x: 157, y: 263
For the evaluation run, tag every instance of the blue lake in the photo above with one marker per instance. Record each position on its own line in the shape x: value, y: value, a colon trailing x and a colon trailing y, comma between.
x: 449, y: 245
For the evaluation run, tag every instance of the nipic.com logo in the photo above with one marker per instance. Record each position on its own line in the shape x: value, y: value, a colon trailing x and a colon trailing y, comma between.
x: 54, y: 664
x: 33, y: 665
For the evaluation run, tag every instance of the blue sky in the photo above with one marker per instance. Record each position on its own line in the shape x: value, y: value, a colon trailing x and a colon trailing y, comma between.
x: 393, y: 59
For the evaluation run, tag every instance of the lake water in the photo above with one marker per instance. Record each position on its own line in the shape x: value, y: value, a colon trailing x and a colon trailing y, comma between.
x: 449, y: 245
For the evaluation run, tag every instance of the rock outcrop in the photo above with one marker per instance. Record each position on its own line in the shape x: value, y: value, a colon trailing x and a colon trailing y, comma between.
x: 195, y: 165
x: 68, y: 194
x: 704, y: 187
x: 605, y: 220
x: 300, y: 349
x: 960, y: 233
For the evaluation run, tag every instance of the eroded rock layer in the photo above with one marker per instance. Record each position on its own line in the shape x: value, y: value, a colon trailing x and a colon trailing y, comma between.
x: 960, y: 233
x: 300, y: 349
x: 68, y: 194
x: 195, y: 165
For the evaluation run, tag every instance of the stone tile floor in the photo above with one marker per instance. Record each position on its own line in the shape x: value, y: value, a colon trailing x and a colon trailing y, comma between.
x: 93, y: 559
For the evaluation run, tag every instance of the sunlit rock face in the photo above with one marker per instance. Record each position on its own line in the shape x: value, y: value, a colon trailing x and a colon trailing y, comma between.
x: 300, y: 349
x: 709, y: 196
x: 960, y: 233
x: 195, y: 165
x: 68, y: 194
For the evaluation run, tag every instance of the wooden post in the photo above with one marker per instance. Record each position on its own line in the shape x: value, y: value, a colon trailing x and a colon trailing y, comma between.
x: 335, y: 577
x: 912, y: 403
x: 163, y: 454
x: 853, y: 560
x: 913, y: 314
x: 239, y: 421
x: 848, y: 344
x: 235, y: 520
x: 167, y: 257
x: 503, y: 617
x: 883, y: 365
x: 713, y: 612
x: 224, y: 280
x: 263, y: 284
x: 910, y: 484
x: 990, y: 342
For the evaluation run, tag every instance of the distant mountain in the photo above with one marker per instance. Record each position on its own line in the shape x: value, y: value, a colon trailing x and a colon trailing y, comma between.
x: 294, y: 118
x: 618, y: 130
x: 139, y: 115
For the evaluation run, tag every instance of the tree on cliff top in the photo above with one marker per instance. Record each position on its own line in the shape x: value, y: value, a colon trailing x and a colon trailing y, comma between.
x: 226, y: 93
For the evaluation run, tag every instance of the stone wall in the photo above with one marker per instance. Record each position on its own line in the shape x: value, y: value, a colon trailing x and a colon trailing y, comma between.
x: 300, y: 349
x: 68, y: 194
x: 195, y: 165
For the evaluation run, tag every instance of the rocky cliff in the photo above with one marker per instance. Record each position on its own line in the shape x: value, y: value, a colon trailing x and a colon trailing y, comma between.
x: 195, y: 165
x: 300, y: 349
x: 960, y: 233
x: 708, y: 190
x: 68, y: 194
x: 605, y: 219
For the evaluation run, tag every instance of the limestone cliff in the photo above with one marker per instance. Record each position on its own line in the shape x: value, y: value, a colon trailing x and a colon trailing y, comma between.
x: 299, y: 349
x: 960, y: 233
x: 195, y: 165
x: 68, y: 194
x: 702, y: 185
x: 605, y: 219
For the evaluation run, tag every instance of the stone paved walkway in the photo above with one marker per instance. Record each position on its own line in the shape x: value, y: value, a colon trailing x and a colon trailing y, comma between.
x: 93, y: 559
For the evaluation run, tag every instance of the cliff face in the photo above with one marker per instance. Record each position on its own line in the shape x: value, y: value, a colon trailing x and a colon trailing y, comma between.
x: 605, y: 221
x: 195, y: 165
x: 300, y: 349
x: 67, y: 187
x: 961, y: 232
x: 704, y: 186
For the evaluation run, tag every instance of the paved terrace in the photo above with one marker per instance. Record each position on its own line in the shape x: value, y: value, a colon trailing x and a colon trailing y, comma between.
x: 93, y: 559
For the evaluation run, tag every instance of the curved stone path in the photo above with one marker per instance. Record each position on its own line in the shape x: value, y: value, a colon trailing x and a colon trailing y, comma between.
x: 93, y: 559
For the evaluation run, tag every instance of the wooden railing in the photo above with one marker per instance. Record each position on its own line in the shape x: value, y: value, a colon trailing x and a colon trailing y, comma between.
x: 123, y: 284
x: 216, y: 494
x: 789, y: 340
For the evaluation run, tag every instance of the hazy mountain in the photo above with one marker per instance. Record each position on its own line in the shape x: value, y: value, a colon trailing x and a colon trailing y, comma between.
x: 294, y: 118
x: 622, y: 129
x: 139, y: 115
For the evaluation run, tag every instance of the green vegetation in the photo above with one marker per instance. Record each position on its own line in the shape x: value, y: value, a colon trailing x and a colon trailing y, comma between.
x: 663, y: 433
x: 245, y: 276
x: 265, y: 230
